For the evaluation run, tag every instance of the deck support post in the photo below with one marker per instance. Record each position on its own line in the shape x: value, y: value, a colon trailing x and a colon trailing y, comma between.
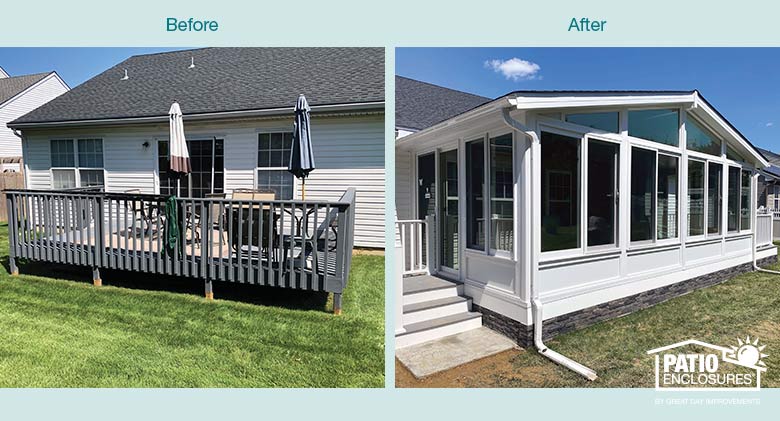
x: 337, y: 303
x: 96, y: 281
x: 13, y: 267
x: 209, y: 290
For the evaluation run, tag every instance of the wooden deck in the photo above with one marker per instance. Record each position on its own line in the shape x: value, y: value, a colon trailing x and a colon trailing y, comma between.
x: 293, y: 244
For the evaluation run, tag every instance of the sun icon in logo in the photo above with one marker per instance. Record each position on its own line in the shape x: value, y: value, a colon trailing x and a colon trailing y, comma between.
x: 749, y: 353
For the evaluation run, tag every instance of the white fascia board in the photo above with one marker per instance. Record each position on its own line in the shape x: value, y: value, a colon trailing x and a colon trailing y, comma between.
x: 711, y: 114
x: 497, y: 104
x: 545, y: 101
x: 33, y: 86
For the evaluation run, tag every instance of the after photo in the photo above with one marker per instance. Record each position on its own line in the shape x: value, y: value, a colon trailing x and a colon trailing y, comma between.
x: 583, y: 217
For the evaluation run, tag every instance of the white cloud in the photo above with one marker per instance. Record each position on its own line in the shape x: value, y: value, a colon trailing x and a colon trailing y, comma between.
x: 770, y: 124
x: 515, y: 68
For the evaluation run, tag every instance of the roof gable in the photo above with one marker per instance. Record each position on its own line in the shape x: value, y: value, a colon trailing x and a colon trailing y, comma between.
x: 419, y: 105
x: 13, y: 86
x: 222, y: 79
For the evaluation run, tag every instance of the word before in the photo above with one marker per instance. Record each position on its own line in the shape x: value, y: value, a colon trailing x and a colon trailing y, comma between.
x: 190, y: 25
x: 587, y: 25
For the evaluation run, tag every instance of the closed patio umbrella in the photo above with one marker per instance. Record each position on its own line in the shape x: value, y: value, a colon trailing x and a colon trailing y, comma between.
x: 301, y: 154
x: 179, y: 155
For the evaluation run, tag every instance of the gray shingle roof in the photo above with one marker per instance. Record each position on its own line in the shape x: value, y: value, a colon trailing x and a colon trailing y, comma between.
x: 12, y: 86
x: 770, y: 156
x: 419, y: 105
x: 223, y: 79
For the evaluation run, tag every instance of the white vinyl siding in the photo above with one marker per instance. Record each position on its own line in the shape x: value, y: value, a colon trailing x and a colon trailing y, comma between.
x: 348, y: 152
x: 44, y: 91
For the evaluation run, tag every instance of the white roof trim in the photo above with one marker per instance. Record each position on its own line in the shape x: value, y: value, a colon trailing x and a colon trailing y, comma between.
x: 526, y: 101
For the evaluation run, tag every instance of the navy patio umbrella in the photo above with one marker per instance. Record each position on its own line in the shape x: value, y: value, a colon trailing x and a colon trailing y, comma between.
x: 301, y: 153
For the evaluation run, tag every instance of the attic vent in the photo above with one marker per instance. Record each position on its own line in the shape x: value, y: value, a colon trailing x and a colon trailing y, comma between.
x: 192, y: 64
x: 126, y: 76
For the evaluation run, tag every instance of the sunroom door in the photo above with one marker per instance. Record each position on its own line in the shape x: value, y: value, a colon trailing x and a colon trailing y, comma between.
x: 449, y: 237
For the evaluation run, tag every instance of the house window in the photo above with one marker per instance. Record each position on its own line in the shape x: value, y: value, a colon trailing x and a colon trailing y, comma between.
x: 695, y: 198
x: 732, y: 200
x: 475, y: 191
x: 560, y: 192
x: 642, y: 194
x: 76, y: 164
x: 745, y: 203
x: 602, y: 192
x: 273, y: 156
x: 501, y: 194
x: 714, y: 197
x: 700, y: 139
x: 607, y: 121
x: 776, y: 197
x: 660, y: 126
x: 667, y: 197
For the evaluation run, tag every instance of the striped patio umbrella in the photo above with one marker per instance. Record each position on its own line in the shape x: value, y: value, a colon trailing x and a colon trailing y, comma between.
x: 301, y: 153
x: 179, y: 155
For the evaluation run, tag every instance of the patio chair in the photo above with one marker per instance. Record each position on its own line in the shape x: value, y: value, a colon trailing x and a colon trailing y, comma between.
x: 217, y: 214
x: 241, y: 217
x: 324, y: 237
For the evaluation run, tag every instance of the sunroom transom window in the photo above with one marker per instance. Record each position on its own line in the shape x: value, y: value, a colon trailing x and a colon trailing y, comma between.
x: 700, y: 139
x: 607, y: 121
x: 662, y: 126
x: 76, y: 163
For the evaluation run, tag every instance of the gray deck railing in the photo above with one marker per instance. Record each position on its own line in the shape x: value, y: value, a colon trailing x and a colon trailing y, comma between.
x: 284, y: 243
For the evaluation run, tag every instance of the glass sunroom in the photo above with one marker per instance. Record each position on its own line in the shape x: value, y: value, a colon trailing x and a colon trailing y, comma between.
x: 577, y: 199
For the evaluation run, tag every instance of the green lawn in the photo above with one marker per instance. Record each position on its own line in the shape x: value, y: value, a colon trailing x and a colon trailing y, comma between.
x: 138, y: 331
x: 748, y: 304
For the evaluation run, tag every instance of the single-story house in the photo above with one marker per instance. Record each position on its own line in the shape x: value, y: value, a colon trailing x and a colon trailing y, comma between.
x: 539, y: 212
x: 769, y: 182
x: 112, y: 130
x: 18, y: 96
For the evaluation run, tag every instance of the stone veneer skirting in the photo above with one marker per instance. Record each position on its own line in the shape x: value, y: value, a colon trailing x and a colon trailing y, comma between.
x: 523, y: 334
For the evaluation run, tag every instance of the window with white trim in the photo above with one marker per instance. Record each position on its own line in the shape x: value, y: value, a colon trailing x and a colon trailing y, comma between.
x: 273, y: 155
x: 76, y: 164
x: 654, y: 193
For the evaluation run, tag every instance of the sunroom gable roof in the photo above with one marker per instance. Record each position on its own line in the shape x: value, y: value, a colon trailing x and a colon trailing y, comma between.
x: 563, y: 99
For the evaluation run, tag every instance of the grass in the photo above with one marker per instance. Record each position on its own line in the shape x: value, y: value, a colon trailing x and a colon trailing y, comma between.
x: 747, y: 304
x: 67, y: 333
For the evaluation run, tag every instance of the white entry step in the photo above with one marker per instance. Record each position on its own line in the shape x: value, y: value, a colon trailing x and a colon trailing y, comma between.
x: 434, y: 308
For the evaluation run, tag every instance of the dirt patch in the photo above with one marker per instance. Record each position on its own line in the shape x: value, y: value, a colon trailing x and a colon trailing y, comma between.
x: 367, y: 252
x: 494, y: 371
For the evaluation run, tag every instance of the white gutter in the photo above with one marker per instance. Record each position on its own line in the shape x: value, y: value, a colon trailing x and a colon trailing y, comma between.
x: 537, y: 313
x: 205, y: 116
x: 754, y: 192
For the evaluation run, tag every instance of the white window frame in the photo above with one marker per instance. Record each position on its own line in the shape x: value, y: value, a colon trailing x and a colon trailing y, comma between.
x: 255, y: 179
x: 77, y: 167
x: 489, y: 198
x: 705, y: 187
x: 584, y: 134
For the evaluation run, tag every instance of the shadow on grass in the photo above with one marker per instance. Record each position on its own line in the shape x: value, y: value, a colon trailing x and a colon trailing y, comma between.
x: 246, y: 293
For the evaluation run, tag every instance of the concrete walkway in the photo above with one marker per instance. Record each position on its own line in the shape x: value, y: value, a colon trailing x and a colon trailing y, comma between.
x: 442, y: 354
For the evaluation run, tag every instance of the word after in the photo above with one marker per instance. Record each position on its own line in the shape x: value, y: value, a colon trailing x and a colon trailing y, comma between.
x: 586, y: 25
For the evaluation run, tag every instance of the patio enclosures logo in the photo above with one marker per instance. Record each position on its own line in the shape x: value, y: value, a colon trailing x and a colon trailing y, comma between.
x: 698, y: 366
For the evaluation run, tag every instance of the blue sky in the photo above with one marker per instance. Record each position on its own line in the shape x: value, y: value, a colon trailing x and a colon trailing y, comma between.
x: 742, y: 83
x: 74, y: 65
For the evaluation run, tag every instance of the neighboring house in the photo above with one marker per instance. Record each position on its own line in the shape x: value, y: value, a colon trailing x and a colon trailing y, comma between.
x: 567, y: 207
x: 769, y: 182
x: 237, y: 102
x: 18, y: 96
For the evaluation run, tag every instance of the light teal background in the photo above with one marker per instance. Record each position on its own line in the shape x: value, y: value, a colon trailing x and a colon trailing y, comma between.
x: 388, y: 23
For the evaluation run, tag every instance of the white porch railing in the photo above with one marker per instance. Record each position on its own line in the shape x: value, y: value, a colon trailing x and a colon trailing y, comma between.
x: 764, y: 222
x: 415, y: 243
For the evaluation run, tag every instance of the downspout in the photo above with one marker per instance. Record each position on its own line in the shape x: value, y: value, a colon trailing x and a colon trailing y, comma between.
x: 754, y: 193
x: 536, y: 304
